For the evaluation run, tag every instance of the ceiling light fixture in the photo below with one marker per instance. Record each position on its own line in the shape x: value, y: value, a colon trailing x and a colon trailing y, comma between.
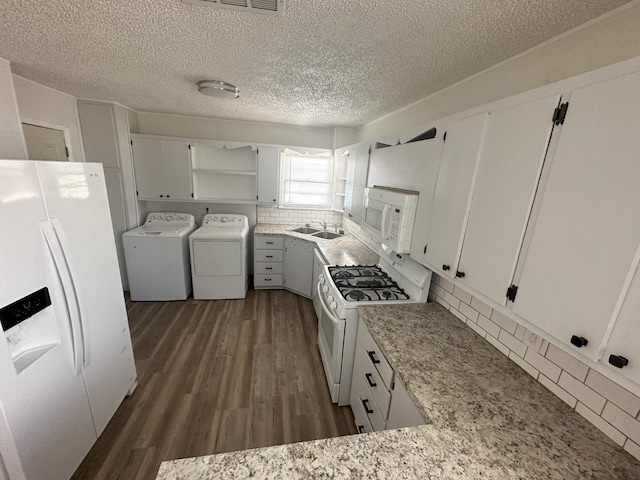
x: 215, y: 88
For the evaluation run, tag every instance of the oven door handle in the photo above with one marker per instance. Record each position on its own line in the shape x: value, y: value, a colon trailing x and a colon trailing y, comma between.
x: 326, y: 309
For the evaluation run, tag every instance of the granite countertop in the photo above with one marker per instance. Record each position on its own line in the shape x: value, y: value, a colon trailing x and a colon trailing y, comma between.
x: 345, y: 250
x: 489, y: 419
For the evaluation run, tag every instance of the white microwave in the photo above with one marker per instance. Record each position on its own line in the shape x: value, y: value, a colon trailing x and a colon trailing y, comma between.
x: 389, y: 214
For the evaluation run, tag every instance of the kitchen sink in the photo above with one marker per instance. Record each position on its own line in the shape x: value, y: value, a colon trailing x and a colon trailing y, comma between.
x: 327, y: 235
x: 306, y: 230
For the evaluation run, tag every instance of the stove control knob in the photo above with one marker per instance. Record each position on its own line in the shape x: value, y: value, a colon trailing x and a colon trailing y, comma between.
x: 325, y: 289
x: 215, y: 219
x: 330, y: 299
x: 225, y: 219
x: 321, y: 279
x: 333, y: 305
x: 168, y: 218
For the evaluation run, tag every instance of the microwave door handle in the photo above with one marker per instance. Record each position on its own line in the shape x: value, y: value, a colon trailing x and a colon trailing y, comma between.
x: 383, y: 224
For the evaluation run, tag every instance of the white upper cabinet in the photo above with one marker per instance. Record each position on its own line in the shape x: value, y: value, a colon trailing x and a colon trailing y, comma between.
x: 162, y: 168
x: 622, y: 353
x: 513, y: 152
x: 268, y: 161
x: 454, y: 191
x: 587, y: 228
x: 430, y: 152
x: 99, y: 134
x: 357, y: 170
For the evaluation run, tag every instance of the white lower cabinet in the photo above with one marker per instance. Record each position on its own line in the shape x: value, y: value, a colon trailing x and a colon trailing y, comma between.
x: 298, y: 265
x: 268, y: 256
x: 378, y: 399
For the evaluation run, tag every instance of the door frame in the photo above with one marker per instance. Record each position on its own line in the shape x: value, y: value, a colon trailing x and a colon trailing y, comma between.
x: 53, y: 126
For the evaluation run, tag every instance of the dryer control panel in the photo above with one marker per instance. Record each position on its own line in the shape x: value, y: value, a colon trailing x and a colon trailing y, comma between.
x: 224, y: 220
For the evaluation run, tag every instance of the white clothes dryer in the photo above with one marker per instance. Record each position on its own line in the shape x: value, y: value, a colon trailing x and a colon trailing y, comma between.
x: 219, y: 257
x: 157, y: 257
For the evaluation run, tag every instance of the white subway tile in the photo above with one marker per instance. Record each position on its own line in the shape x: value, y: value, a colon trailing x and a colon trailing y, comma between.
x: 462, y: 295
x: 521, y: 332
x: 443, y: 303
x: 602, y: 425
x: 543, y: 348
x: 513, y: 343
x: 469, y: 312
x: 446, y: 284
x: 498, y: 344
x: 503, y: 322
x: 434, y: 277
x: 489, y: 326
x: 632, y: 448
x: 481, y: 307
x: 583, y: 393
x: 622, y: 421
x: 559, y: 392
x: 458, y: 315
x: 524, y: 365
x: 451, y: 300
x: 476, y: 328
x: 549, y: 369
x: 438, y: 290
x: 613, y: 392
x: 565, y: 361
x: 431, y: 297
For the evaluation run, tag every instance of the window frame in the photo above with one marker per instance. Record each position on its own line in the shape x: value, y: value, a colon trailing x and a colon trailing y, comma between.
x: 311, y: 153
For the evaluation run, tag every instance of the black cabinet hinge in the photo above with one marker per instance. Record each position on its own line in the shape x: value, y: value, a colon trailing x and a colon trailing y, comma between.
x: 425, y: 249
x: 137, y: 193
x: 444, y: 137
x: 512, y: 291
x: 191, y: 194
x: 131, y: 142
x: 560, y: 113
x: 189, y: 147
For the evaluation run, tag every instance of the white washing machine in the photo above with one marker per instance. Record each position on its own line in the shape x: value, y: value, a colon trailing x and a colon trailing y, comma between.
x: 157, y: 257
x: 219, y: 257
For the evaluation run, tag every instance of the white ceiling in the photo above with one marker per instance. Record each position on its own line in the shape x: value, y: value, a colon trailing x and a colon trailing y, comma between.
x: 323, y: 63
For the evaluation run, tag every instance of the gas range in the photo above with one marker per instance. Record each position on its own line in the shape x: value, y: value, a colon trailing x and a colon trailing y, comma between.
x: 366, y: 283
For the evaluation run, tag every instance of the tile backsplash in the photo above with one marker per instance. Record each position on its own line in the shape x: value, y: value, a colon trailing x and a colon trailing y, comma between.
x: 273, y: 214
x: 355, y: 230
x: 610, y: 407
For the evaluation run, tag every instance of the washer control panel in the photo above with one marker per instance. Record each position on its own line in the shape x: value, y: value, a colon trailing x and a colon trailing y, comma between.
x: 170, y: 218
x: 224, y: 220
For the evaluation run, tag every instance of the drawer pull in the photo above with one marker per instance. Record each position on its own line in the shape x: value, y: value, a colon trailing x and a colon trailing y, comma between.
x: 618, y: 361
x: 267, y: 279
x: 579, y: 341
x: 360, y: 428
x: 372, y: 356
x: 371, y: 382
x: 365, y: 404
x: 269, y: 256
x: 268, y: 268
x: 269, y: 243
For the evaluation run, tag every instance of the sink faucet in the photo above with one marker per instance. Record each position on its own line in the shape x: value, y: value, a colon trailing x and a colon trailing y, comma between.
x: 323, y: 223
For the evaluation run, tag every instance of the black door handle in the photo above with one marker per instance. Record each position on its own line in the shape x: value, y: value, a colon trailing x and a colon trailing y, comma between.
x: 372, y: 356
x: 579, y: 341
x: 365, y: 404
x: 459, y: 274
x: 371, y: 383
x: 446, y: 267
x: 618, y: 361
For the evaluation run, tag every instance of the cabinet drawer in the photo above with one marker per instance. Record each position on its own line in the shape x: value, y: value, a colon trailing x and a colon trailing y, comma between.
x: 268, y: 268
x: 268, y: 255
x: 375, y: 385
x: 361, y: 420
x: 367, y: 346
x: 268, y: 242
x: 368, y: 404
x: 267, y: 280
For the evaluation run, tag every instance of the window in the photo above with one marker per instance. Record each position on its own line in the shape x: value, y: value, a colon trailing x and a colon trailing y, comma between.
x: 307, y: 179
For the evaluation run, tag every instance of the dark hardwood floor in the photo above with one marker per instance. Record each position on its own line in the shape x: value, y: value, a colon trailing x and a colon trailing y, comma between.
x: 218, y: 376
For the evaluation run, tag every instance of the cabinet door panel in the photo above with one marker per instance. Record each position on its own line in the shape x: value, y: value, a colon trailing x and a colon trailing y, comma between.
x: 357, y: 171
x: 431, y: 152
x: 298, y: 266
x: 512, y: 156
x: 176, y: 169
x: 98, y: 134
x: 268, y: 160
x: 588, y: 225
x: 625, y: 337
x: 454, y: 191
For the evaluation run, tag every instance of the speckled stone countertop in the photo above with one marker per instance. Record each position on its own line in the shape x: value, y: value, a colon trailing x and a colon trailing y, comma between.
x: 345, y: 250
x: 489, y: 419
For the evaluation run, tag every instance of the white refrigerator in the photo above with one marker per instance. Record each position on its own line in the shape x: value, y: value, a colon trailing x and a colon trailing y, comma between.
x: 66, y: 361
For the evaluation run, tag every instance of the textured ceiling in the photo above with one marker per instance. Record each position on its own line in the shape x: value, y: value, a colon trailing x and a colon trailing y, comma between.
x: 323, y: 63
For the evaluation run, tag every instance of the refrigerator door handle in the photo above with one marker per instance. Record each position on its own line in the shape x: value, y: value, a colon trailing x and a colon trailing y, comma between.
x: 68, y: 291
x: 64, y: 246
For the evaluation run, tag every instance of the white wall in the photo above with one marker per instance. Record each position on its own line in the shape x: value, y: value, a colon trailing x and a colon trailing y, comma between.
x: 11, y: 139
x: 50, y: 108
x: 230, y: 130
x: 607, y: 40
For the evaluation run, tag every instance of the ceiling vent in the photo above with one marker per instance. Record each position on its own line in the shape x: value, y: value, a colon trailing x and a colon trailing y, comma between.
x: 259, y: 6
